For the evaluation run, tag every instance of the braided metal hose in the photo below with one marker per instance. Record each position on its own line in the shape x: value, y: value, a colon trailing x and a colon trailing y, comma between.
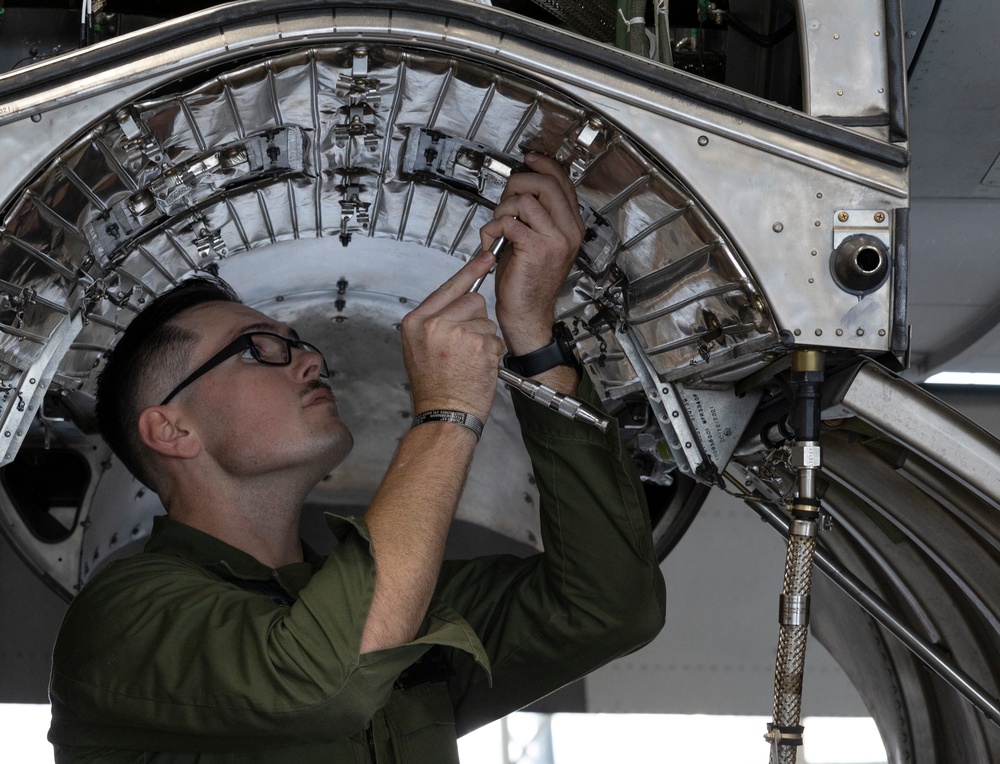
x: 784, y: 732
x: 593, y: 19
x: 632, y: 27
x: 789, y: 666
x: 661, y: 19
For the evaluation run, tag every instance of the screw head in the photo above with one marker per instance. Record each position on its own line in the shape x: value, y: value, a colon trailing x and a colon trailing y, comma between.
x: 843, y: 217
x: 879, y: 217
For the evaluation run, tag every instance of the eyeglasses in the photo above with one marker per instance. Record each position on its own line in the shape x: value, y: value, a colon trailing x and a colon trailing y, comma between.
x: 264, y: 347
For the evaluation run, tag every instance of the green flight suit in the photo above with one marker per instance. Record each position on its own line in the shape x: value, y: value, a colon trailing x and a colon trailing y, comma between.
x: 192, y: 651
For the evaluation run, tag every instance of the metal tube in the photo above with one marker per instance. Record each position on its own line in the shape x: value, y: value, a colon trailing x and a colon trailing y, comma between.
x: 965, y: 685
x: 499, y: 243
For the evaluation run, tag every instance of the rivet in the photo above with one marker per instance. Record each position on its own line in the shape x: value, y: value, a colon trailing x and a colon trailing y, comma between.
x: 819, y: 196
x: 797, y: 332
x: 843, y: 217
x: 840, y: 332
x: 817, y: 224
x: 861, y: 332
x: 819, y: 332
x: 840, y: 92
x: 702, y: 140
x: 36, y: 118
x: 836, y: 37
x: 881, y: 332
x: 778, y: 227
x: 814, y: 253
x: 877, y: 33
x: 812, y: 281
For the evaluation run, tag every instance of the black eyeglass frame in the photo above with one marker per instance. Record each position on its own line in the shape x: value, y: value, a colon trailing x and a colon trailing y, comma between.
x: 245, y: 342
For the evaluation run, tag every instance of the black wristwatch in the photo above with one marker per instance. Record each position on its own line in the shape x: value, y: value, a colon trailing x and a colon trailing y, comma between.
x: 557, y: 353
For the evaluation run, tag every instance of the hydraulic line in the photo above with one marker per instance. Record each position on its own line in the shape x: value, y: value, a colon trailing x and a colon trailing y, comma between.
x: 593, y: 19
x: 630, y: 27
x: 784, y: 732
x: 661, y: 23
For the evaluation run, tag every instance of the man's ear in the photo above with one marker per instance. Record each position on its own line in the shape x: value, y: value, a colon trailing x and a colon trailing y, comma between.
x: 161, y: 429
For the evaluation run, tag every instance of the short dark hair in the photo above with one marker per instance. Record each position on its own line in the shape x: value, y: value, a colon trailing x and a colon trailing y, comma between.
x: 151, y: 346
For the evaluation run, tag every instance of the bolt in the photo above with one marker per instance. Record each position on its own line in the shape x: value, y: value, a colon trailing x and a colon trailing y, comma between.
x: 879, y: 217
x: 843, y: 217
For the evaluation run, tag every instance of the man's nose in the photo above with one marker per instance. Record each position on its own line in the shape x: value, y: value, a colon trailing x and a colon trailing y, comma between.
x: 309, y: 364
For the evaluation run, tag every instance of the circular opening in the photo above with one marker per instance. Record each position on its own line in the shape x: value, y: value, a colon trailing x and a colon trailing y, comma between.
x: 868, y: 259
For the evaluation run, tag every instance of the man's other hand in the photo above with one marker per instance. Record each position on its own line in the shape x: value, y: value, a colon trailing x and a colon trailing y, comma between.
x: 540, y: 217
x: 451, y: 348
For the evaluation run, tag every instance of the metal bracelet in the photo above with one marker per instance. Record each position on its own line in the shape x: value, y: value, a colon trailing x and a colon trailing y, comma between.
x: 470, y: 421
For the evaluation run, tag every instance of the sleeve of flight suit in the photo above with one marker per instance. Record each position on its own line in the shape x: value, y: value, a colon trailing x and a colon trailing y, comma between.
x: 158, y: 653
x: 595, y: 593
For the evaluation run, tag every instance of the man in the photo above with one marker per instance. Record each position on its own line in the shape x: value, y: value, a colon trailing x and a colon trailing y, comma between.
x: 227, y: 640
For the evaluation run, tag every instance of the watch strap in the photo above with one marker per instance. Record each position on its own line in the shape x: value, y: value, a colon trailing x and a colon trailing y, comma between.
x: 556, y: 353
